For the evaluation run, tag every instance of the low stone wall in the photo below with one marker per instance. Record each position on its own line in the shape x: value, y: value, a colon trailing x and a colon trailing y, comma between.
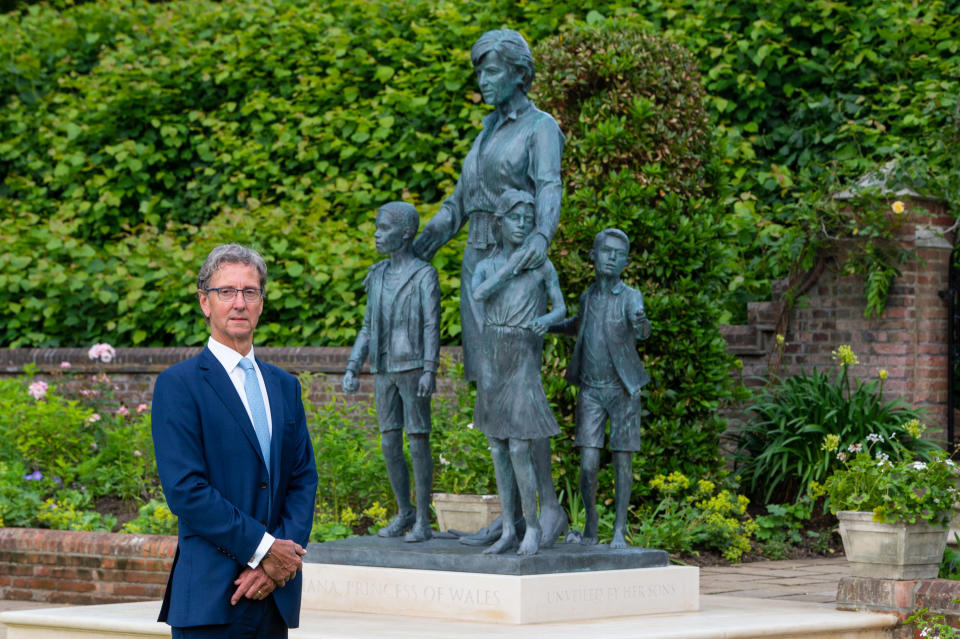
x: 133, y: 371
x: 902, y: 598
x: 61, y: 566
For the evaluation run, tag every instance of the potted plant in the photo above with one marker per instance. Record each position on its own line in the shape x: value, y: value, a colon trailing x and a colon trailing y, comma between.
x: 465, y: 497
x: 894, y: 513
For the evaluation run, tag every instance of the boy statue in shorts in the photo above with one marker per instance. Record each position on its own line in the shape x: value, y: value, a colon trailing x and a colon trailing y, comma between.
x: 401, y: 335
x: 606, y: 366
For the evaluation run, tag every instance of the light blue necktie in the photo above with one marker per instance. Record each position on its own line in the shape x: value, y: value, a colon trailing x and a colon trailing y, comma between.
x: 251, y: 387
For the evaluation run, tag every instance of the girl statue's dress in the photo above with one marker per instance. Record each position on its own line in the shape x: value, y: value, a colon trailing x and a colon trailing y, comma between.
x: 511, y: 402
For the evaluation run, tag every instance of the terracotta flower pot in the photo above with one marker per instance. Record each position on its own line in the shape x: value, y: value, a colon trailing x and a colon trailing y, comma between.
x: 891, y: 551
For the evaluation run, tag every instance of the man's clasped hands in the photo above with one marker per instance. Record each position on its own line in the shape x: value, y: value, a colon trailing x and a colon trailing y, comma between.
x: 278, y: 566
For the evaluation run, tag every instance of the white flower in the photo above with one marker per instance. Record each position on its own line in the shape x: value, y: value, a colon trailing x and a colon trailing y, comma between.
x: 470, y: 426
x: 103, y: 352
x: 918, y: 465
x: 444, y: 460
x: 883, y: 457
x: 94, y: 418
x: 950, y: 462
x: 842, y: 456
x: 874, y: 437
x: 38, y: 389
x: 855, y: 448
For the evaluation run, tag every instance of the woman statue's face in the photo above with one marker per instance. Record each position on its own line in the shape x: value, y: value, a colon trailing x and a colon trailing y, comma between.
x: 497, y: 79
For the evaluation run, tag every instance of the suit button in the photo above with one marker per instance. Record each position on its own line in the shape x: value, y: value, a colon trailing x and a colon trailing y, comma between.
x: 263, y: 485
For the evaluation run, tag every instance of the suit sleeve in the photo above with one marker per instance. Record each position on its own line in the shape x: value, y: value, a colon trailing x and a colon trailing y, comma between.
x: 430, y: 298
x: 182, y: 467
x: 299, y: 501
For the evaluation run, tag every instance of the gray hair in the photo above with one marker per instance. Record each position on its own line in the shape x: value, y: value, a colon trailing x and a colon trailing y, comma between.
x: 404, y: 215
x: 230, y: 254
x: 617, y: 233
x: 510, y: 46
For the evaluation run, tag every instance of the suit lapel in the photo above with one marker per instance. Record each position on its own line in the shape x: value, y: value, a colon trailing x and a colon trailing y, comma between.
x: 214, y: 374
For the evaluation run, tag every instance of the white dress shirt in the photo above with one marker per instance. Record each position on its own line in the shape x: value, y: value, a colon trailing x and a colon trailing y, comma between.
x: 230, y: 360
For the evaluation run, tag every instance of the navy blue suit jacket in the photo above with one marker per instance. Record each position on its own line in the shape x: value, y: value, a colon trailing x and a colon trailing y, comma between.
x: 216, y: 482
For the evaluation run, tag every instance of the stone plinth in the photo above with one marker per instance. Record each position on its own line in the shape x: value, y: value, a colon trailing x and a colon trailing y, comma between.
x: 447, y: 580
x: 510, y: 599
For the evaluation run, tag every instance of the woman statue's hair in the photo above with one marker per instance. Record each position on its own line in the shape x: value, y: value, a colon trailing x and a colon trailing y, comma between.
x: 510, y: 46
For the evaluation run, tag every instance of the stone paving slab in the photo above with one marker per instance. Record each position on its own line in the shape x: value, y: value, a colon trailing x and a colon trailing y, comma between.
x: 718, y: 618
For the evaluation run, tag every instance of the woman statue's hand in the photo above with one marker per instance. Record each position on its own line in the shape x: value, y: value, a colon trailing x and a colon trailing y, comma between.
x: 533, y: 253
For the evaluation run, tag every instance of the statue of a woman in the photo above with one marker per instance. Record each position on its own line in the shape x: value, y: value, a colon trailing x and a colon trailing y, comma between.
x: 519, y: 148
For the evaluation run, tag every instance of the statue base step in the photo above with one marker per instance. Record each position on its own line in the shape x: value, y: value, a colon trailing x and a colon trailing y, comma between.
x: 444, y: 579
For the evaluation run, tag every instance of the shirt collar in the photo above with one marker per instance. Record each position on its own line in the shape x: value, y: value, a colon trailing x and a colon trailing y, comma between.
x: 228, y: 357
x: 616, y: 289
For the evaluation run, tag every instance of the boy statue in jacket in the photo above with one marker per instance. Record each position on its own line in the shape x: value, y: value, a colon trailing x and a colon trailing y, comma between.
x: 401, y: 336
x: 607, y: 368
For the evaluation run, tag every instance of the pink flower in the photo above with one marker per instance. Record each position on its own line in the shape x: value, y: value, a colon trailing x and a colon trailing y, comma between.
x: 65, y: 365
x: 94, y: 418
x: 137, y: 453
x: 123, y: 411
x: 103, y: 352
x: 142, y: 407
x: 38, y: 389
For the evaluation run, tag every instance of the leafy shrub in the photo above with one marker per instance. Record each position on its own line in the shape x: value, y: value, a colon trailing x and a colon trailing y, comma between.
x: 20, y: 498
x: 153, y: 518
x: 462, y: 462
x: 780, y: 449
x: 691, y: 515
x: 73, y: 510
x: 350, y: 466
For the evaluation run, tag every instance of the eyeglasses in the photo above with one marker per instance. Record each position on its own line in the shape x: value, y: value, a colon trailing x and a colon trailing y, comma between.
x: 228, y: 293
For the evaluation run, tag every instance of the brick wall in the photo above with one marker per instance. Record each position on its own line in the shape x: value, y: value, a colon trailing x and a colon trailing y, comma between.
x: 902, y: 598
x: 909, y: 339
x: 133, y: 370
x: 60, y: 566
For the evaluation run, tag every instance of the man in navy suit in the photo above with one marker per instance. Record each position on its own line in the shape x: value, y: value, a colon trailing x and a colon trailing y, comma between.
x: 237, y: 468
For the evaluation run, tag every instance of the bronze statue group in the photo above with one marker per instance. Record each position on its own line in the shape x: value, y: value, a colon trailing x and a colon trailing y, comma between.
x: 510, y: 192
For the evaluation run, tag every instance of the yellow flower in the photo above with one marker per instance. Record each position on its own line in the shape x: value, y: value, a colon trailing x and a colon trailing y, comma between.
x: 897, y: 207
x: 915, y: 428
x: 830, y: 443
x: 845, y: 355
x: 781, y: 340
x: 882, y: 373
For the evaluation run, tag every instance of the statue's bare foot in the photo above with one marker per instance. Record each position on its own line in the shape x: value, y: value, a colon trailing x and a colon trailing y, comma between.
x: 507, y: 541
x: 421, y: 532
x: 619, y: 540
x: 588, y: 541
x: 553, y: 523
x: 531, y: 542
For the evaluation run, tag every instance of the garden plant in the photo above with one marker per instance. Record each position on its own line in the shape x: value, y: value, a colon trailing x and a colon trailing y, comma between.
x: 780, y: 447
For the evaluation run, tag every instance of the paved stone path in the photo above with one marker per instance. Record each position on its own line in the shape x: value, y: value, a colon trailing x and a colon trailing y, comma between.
x: 809, y: 580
